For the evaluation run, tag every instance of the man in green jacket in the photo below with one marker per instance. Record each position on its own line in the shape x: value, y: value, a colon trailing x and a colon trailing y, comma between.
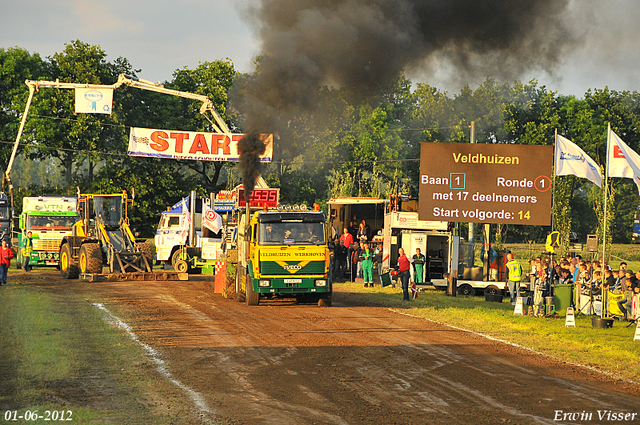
x: 26, y: 250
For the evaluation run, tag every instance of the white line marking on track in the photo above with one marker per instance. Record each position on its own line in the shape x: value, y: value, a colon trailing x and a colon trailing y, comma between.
x: 593, y: 369
x: 195, y: 396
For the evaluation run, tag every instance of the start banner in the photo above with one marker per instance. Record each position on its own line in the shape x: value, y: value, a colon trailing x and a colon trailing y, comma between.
x: 192, y: 145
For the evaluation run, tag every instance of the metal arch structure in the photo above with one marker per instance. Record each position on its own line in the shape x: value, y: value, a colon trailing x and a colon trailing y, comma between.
x: 123, y: 79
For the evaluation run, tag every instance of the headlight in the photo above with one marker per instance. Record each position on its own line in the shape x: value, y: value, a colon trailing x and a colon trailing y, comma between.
x: 264, y: 283
x: 321, y: 282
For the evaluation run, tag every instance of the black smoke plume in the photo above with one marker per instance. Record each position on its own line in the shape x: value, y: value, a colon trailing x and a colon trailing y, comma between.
x: 364, y: 46
x: 250, y: 148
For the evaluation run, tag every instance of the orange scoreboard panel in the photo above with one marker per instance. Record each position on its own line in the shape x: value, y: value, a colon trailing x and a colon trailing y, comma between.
x: 486, y: 183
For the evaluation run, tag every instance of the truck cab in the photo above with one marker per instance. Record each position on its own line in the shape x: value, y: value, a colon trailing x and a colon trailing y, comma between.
x: 284, y: 254
x: 49, y: 219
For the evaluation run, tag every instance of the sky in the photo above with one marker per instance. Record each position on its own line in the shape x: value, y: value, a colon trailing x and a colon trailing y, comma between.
x: 161, y: 36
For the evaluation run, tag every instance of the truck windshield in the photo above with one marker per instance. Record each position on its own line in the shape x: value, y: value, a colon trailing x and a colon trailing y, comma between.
x: 108, y: 209
x: 4, y: 213
x: 50, y: 223
x: 291, y: 233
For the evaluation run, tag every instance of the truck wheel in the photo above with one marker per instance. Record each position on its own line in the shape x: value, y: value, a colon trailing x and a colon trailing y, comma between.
x: 466, y: 289
x: 175, y: 257
x: 68, y: 265
x: 253, y: 298
x: 90, y: 258
x: 239, y: 295
x: 325, y: 301
x: 19, y: 261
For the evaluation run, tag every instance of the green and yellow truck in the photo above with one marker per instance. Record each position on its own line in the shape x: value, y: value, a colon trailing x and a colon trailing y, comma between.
x: 283, y: 253
x: 49, y: 219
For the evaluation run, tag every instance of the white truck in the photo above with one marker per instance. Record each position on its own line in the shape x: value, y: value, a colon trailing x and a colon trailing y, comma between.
x: 175, y: 237
x: 49, y: 219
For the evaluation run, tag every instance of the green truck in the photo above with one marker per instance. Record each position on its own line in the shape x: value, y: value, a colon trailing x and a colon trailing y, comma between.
x: 49, y: 219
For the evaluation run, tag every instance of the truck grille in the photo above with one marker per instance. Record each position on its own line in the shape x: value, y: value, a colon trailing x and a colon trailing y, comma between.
x: 46, y: 244
x: 274, y: 268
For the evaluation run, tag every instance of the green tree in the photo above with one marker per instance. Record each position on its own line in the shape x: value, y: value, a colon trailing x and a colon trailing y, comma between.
x: 16, y: 66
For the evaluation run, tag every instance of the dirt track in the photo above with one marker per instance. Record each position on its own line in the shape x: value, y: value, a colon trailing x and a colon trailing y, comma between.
x: 282, y: 363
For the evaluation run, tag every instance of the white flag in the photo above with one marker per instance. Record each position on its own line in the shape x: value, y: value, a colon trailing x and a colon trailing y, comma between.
x: 185, y: 219
x: 210, y: 219
x: 622, y: 161
x: 570, y: 159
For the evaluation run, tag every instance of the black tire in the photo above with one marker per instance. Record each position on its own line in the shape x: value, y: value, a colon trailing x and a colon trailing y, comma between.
x: 253, y: 298
x: 181, y: 266
x: 492, y: 290
x: 68, y: 264
x: 325, y: 301
x: 239, y: 273
x: 19, y: 260
x: 467, y: 290
x: 175, y: 257
x: 90, y: 258
x: 146, y: 250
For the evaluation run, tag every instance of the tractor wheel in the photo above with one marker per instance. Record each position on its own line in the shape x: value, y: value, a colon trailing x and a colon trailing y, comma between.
x: 325, y: 301
x: 253, y: 298
x: 90, y: 258
x: 68, y: 265
x: 19, y: 260
x: 146, y: 250
x: 239, y: 295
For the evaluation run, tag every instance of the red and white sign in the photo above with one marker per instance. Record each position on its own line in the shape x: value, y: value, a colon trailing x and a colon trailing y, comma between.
x: 192, y: 145
x: 210, y: 219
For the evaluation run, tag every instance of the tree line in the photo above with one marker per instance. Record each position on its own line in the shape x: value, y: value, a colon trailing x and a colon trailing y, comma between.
x: 357, y: 146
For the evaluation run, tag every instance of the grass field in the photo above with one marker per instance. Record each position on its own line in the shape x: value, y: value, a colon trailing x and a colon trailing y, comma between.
x: 59, y: 355
x: 613, y: 351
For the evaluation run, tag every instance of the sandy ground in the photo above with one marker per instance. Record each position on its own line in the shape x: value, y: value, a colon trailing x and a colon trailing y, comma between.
x: 283, y: 363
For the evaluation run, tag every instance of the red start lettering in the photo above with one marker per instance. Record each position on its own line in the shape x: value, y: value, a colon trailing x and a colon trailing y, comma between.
x: 159, y: 141
x: 220, y: 141
x: 180, y: 138
x: 199, y: 145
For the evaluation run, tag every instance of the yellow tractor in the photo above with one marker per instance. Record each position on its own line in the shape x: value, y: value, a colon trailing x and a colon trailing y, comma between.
x: 102, y: 237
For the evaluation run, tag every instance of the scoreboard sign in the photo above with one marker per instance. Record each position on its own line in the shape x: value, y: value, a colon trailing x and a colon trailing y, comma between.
x: 486, y: 183
x: 259, y: 198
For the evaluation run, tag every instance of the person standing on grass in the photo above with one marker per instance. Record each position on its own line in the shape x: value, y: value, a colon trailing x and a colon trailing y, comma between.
x: 6, y: 254
x: 354, y: 260
x: 27, y: 249
x: 403, y: 272
x: 367, y: 265
x: 514, y: 275
x: 418, y: 267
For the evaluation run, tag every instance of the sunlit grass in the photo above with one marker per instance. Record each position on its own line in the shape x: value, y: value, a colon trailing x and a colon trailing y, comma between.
x: 609, y: 350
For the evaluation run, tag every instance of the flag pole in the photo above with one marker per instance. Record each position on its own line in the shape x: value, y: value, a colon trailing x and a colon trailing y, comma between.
x: 604, y: 226
x: 553, y: 182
